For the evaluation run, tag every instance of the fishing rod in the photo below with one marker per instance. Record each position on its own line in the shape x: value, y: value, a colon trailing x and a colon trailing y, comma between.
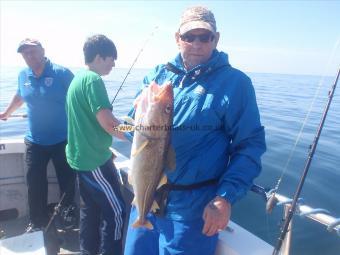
x: 133, y: 63
x: 293, y: 205
x: 55, y: 212
x: 18, y: 116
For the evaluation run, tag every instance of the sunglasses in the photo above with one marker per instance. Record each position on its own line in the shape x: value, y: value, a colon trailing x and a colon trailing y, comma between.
x: 203, y: 38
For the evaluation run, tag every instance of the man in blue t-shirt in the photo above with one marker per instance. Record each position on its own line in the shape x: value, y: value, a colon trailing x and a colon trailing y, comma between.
x: 43, y: 87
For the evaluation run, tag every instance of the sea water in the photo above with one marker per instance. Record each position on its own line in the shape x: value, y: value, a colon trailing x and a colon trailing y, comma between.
x: 284, y: 102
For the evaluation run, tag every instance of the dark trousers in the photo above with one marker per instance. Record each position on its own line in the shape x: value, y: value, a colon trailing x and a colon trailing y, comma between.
x: 37, y: 158
x: 102, y: 212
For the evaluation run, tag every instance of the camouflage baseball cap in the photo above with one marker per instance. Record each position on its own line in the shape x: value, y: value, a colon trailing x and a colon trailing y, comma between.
x: 197, y: 17
x: 28, y: 42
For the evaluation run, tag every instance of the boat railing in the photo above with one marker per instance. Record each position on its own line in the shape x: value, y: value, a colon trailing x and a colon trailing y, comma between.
x: 319, y: 215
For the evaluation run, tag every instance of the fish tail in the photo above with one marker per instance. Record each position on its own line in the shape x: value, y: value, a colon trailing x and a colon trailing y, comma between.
x: 142, y: 223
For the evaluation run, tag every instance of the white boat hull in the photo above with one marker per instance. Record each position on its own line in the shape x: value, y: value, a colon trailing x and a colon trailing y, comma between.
x: 13, y: 185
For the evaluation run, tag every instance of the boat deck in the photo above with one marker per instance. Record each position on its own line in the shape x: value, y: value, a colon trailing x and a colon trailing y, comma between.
x: 56, y: 241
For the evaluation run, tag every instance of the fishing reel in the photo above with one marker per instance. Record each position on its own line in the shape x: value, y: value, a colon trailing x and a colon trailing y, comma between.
x: 69, y: 217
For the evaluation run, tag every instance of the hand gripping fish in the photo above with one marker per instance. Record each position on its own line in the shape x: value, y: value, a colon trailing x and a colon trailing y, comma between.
x: 151, y: 152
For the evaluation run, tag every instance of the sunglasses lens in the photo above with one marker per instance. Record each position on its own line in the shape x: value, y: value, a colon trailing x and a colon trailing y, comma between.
x: 188, y: 38
x: 204, y: 38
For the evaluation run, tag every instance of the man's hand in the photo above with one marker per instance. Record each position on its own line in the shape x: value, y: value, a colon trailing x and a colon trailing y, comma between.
x: 109, y: 123
x: 216, y: 216
x: 3, y: 116
x: 16, y: 102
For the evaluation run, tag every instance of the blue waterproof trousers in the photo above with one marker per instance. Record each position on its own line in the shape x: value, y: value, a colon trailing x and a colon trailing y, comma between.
x: 168, y: 237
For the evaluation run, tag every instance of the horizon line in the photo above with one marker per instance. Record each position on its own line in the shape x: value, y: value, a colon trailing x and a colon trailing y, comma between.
x: 150, y: 68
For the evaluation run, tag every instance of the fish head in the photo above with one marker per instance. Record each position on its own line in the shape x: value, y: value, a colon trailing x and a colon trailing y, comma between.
x: 154, y: 109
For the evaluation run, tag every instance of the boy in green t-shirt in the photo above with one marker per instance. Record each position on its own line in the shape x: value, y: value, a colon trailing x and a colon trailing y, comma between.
x: 90, y: 126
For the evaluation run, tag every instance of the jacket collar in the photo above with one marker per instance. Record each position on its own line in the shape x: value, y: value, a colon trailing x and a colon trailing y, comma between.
x: 216, y: 60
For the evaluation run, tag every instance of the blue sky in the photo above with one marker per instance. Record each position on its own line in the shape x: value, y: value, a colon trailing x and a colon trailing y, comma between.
x: 299, y: 37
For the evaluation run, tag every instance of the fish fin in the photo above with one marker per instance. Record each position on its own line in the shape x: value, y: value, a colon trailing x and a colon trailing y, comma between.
x: 138, y: 224
x: 137, y: 100
x: 130, y: 178
x: 154, y: 207
x: 128, y: 120
x: 138, y: 150
x: 170, y: 160
x: 162, y: 181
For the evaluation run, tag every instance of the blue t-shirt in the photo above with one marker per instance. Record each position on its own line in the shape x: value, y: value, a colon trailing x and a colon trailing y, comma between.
x: 45, y: 98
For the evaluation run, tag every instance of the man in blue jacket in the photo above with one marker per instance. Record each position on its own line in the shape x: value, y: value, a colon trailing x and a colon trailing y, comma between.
x: 43, y: 87
x: 218, y: 140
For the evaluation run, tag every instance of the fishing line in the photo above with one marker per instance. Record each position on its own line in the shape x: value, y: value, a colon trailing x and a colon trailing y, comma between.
x: 293, y: 204
x: 298, y: 138
x: 312, y: 150
x: 133, y: 63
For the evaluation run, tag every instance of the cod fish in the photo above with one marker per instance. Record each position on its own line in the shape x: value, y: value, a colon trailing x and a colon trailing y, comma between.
x: 151, y: 152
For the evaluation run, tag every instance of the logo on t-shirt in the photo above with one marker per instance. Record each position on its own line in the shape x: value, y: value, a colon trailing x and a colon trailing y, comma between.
x: 48, y: 81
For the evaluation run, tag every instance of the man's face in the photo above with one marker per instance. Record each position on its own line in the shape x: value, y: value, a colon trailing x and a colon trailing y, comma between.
x: 196, y: 46
x: 34, y: 56
x: 105, y: 65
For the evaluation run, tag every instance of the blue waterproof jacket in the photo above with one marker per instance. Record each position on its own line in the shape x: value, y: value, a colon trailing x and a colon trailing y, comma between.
x: 217, y: 133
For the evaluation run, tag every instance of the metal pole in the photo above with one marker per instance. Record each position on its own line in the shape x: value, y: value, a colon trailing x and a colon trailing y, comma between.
x: 319, y: 215
x: 305, y: 171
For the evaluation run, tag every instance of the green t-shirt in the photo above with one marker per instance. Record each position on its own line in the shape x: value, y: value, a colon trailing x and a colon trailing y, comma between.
x: 88, y: 143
